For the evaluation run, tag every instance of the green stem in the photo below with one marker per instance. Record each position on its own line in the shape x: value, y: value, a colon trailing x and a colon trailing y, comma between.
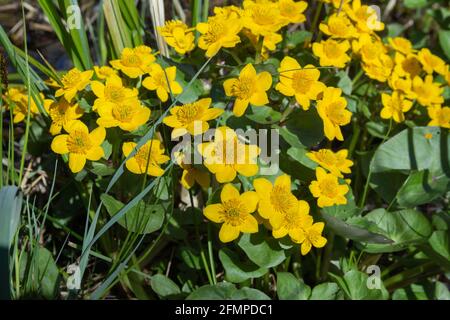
x: 316, y: 17
x: 211, y: 255
x: 327, y: 257
x: 205, y: 10
x: 408, y: 275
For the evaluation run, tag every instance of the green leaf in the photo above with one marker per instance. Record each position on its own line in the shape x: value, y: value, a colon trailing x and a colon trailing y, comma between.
x: 142, y: 218
x: 422, y: 187
x: 415, y: 4
x: 326, y: 291
x: 440, y: 242
x: 291, y: 288
x: 298, y: 37
x: 345, y: 83
x: 238, y: 271
x: 226, y: 291
x: 405, y: 228
x: 444, y: 40
x: 264, y: 115
x: 10, y: 209
x: 299, y: 154
x: 44, y: 279
x: 101, y: 169
x: 349, y: 231
x: 423, y: 291
x: 262, y: 250
x: 357, y: 287
x: 164, y: 287
x: 306, y: 125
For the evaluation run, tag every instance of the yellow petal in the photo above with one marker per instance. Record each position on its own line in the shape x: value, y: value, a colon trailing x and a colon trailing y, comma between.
x: 213, y: 212
x: 283, y: 181
x: 250, y: 225
x: 127, y: 147
x: 76, y: 162
x: 95, y: 153
x: 250, y: 199
x: 228, y: 233
x: 225, y: 174
x: 229, y: 192
x: 98, y: 135
x: 263, y: 187
x: 239, y: 107
x: 59, y: 144
x: 98, y: 88
x: 306, y: 247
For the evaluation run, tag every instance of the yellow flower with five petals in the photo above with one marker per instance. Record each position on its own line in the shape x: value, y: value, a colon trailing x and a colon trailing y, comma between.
x: 62, y: 114
x: 73, y: 82
x: 311, y: 235
x: 162, y: 81
x: 327, y: 189
x: 394, y: 106
x: 332, y: 53
x: 148, y: 158
x: 112, y: 92
x: 234, y: 212
x: 337, y: 163
x: 128, y: 115
x: 134, y: 62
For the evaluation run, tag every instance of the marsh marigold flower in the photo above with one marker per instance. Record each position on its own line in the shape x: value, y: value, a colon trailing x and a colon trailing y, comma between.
x: 440, y: 116
x: 332, y: 110
x: 401, y: 45
x: 337, y: 163
x: 72, y: 82
x: 311, y: 235
x: 249, y: 88
x: 178, y: 35
x: 62, y: 114
x: 327, y: 189
x: 218, y: 33
x: 134, y: 62
x: 365, y: 17
x: 332, y: 52
x: 394, y: 106
x: 191, y: 117
x: 227, y: 155
x: 293, y: 221
x: 112, y: 92
x: 292, y: 11
x: 275, y: 199
x: 431, y: 62
x: 428, y: 93
x: 407, y: 66
x: 128, y: 115
x: 234, y: 212
x: 17, y: 101
x: 303, y: 83
x: 191, y: 174
x: 162, y: 81
x: 80, y: 144
x: 104, y: 72
x: 148, y: 158
x: 262, y: 17
x: 338, y: 26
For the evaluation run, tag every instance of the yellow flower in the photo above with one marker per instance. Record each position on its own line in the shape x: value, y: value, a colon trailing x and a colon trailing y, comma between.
x: 104, y: 72
x: 293, y: 221
x: 134, y: 62
x: 192, y: 174
x: 128, y: 115
x: 263, y: 17
x: 431, y: 62
x: 163, y: 81
x: 249, y: 88
x: 228, y: 12
x: 234, y: 212
x: 276, y: 200
x: 178, y: 35
x: 370, y: 47
x: 218, y: 32
x: 192, y: 117
x: 292, y: 11
x: 17, y: 100
x: 80, y: 144
x: 113, y: 92
x: 226, y: 156
x: 74, y: 81
x: 402, y: 85
x: 407, y: 66
x: 332, y: 110
x: 332, y: 53
x: 380, y: 69
x: 327, y: 189
x: 394, y: 106
x: 439, y: 116
x: 337, y: 163
x: 428, y: 92
x: 337, y: 3
x: 366, y: 17
x: 311, y: 235
x: 270, y: 43
x: 62, y: 113
x: 339, y: 26
x: 303, y: 83
x: 401, y: 45
x: 148, y: 158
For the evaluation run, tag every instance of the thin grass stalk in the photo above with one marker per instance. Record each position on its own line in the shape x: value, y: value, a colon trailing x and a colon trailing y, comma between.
x: 158, y: 19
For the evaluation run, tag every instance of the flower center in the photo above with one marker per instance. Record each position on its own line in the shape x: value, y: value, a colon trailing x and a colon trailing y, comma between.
x: 187, y: 113
x: 72, y: 78
x: 144, y: 156
x: 331, y: 50
x: 114, y: 94
x: 326, y: 157
x: 123, y: 112
x: 215, y: 32
x: 233, y: 212
x: 131, y: 60
x: 336, y: 113
x: 58, y: 112
x: 329, y: 187
x: 243, y: 88
x: 412, y: 66
x: 282, y: 199
x: 78, y: 142
x: 302, y: 81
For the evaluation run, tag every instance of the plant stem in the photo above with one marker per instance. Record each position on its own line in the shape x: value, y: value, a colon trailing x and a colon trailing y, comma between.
x: 211, y: 255
x: 316, y: 17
